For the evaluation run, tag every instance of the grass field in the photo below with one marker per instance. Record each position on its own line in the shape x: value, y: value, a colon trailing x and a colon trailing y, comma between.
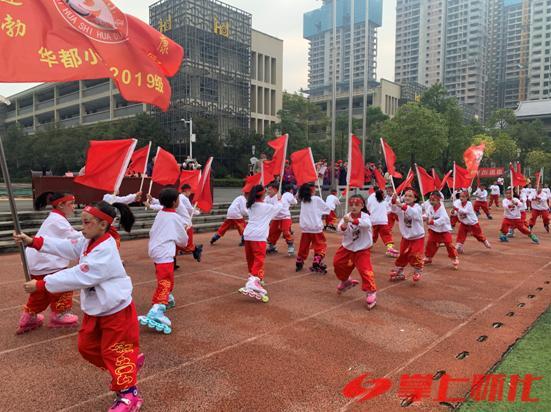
x: 531, y: 355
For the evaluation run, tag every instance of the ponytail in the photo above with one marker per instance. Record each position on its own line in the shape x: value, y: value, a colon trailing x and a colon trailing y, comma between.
x: 47, y: 198
x: 305, y: 193
x: 127, y: 218
x: 254, y: 195
x: 379, y: 195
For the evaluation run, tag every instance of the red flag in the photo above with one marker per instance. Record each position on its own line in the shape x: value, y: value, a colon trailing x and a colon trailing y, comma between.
x: 64, y: 40
x: 462, y: 178
x: 106, y: 163
x: 437, y: 180
x: 473, y: 156
x: 304, y: 168
x: 138, y: 162
x: 190, y: 177
x: 166, y: 170
x: 406, y: 183
x: 356, y: 173
x: 252, y: 181
x: 426, y: 182
x: 276, y: 166
x: 204, y: 199
x: 446, y: 180
x: 537, y: 178
x: 518, y: 178
x: 390, y: 160
x: 381, y: 182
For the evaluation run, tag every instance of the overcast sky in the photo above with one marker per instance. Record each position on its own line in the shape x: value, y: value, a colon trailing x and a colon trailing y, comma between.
x: 283, y: 19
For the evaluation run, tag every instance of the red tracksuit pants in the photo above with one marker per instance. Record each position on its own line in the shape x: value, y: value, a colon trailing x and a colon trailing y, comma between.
x: 112, y: 342
x: 331, y: 219
x: 519, y: 224
x: 279, y: 227
x: 474, y: 230
x: 309, y: 241
x: 481, y: 205
x: 165, y: 282
x: 384, y: 231
x: 228, y: 224
x: 345, y: 261
x: 392, y: 218
x: 255, y: 252
x: 435, y: 239
x: 494, y: 200
x: 537, y: 213
x: 40, y: 300
x: 411, y: 251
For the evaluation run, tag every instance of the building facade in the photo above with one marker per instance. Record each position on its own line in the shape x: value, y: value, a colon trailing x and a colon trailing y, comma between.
x: 539, y: 66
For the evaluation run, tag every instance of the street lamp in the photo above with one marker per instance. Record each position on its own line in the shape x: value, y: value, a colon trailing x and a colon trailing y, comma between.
x: 192, y: 137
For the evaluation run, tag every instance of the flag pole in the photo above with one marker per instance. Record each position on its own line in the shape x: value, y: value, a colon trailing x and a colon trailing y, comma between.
x: 420, y: 184
x: 542, y: 170
x: 145, y: 167
x: 453, y: 190
x: 314, y: 164
x: 283, y: 163
x: 151, y: 177
x: 511, y: 173
x: 124, y: 167
x: 348, y: 173
x: 386, y: 163
x: 13, y: 208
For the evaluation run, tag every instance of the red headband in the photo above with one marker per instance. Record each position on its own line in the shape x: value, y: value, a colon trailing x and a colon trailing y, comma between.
x: 258, y: 194
x: 356, y: 200
x: 94, y: 211
x: 67, y: 198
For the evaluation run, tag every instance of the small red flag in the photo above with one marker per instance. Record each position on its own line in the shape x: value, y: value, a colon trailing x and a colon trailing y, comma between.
x: 166, y: 170
x: 406, y: 183
x: 473, y: 156
x: 446, y: 180
x: 275, y: 167
x: 192, y: 178
x: 356, y: 166
x: 204, y: 199
x: 437, y: 180
x: 138, y: 162
x: 106, y: 164
x: 304, y: 168
x: 462, y: 178
x: 252, y: 181
x: 381, y: 182
x: 390, y: 160
x: 426, y: 181
x: 518, y: 178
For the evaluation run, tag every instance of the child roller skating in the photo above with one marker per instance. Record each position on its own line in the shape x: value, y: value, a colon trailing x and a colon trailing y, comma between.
x: 410, y: 220
x: 234, y: 219
x: 440, y: 230
x: 355, y: 251
x: 109, y: 335
x: 468, y: 222
x: 282, y: 223
x: 332, y: 202
x: 512, y: 218
x: 311, y: 212
x: 256, y: 234
x: 378, y: 210
x: 167, y: 233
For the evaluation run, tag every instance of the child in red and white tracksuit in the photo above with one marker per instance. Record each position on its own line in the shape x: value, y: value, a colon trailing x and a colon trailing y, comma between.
x: 439, y: 230
x: 468, y: 222
x: 256, y: 235
x: 355, y: 251
x: 540, y: 207
x: 166, y: 235
x: 109, y: 335
x: 481, y: 202
x: 512, y: 218
x: 392, y: 218
x: 235, y: 218
x: 282, y: 224
x: 410, y: 220
x: 332, y: 202
x: 41, y: 265
x: 377, y: 208
x: 494, y: 195
x: 312, y: 210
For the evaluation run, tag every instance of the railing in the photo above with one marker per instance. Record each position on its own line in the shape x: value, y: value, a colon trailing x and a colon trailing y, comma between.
x: 45, y: 105
x: 72, y: 121
x: 97, y: 117
x: 129, y: 110
x: 95, y: 90
x: 68, y: 98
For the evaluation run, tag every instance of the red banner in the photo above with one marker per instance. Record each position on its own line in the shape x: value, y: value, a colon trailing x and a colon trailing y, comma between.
x: 64, y: 40
x: 488, y: 172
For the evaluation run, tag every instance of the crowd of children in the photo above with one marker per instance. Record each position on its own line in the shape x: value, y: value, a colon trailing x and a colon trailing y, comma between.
x: 109, y: 334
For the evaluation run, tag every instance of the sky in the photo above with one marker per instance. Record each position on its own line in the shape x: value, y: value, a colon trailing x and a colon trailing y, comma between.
x: 282, y: 19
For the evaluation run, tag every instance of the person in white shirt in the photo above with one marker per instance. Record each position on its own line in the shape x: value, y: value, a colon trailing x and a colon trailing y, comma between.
x: 512, y: 218
x: 235, y: 219
x: 468, y: 222
x: 481, y: 201
x: 540, y: 207
x: 41, y: 265
x: 126, y: 200
x: 410, y: 220
x: 392, y: 218
x: 333, y: 202
x: 440, y: 230
x: 109, y: 318
x: 355, y: 251
x: 166, y: 235
x: 494, y: 195
x: 377, y: 208
x: 312, y: 209
x: 256, y: 234
x: 282, y: 223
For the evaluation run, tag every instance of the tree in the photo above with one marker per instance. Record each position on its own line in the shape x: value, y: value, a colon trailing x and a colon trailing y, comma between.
x: 490, y: 145
x: 502, y: 119
x: 536, y: 159
x: 529, y: 136
x: 417, y: 134
x: 506, y: 150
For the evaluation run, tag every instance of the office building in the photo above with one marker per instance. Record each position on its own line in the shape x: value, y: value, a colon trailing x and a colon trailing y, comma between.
x: 539, y: 66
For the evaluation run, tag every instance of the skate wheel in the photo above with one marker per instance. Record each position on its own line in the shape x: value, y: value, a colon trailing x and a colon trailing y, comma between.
x: 265, y: 299
x: 370, y: 306
x: 159, y: 328
x: 167, y: 330
x: 142, y: 320
x: 257, y: 297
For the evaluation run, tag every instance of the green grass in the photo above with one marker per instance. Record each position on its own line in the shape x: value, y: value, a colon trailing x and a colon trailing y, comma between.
x: 531, y: 355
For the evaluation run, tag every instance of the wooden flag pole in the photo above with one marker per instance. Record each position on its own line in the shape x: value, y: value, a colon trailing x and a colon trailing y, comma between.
x: 151, y: 181
x: 283, y: 164
x: 317, y: 178
x: 13, y: 208
x: 348, y: 174
x: 145, y: 168
x: 453, y: 191
x: 420, y: 184
x: 391, y: 177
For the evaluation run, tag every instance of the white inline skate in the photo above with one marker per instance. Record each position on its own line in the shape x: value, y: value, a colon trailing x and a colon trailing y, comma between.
x: 156, y: 319
x: 254, y: 289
